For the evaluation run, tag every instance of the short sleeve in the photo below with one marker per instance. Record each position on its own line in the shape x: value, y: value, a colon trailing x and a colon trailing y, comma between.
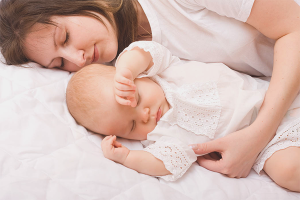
x: 176, y: 156
x: 162, y: 57
x: 237, y: 9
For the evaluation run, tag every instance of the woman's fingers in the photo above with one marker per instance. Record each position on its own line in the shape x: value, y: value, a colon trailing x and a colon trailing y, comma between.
x: 213, y: 156
x: 210, y: 164
x: 207, y: 147
x: 237, y: 153
x: 216, y: 160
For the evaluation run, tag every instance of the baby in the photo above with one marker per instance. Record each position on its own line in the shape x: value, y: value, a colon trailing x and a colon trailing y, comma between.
x: 169, y: 103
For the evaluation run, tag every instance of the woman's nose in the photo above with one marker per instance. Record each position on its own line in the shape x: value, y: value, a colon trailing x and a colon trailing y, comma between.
x: 145, y: 115
x: 75, y: 56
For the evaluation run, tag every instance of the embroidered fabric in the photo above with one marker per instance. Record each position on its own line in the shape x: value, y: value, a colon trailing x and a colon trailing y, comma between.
x: 173, y: 156
x: 287, y: 138
x: 195, y: 107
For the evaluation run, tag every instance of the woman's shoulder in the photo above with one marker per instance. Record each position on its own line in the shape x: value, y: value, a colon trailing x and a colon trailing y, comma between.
x: 237, y: 9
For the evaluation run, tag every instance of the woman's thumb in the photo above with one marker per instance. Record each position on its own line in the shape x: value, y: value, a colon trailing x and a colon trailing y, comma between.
x: 204, y: 148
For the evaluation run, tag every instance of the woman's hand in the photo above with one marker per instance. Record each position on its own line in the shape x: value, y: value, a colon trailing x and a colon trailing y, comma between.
x: 114, y: 150
x: 239, y: 151
x: 125, y: 87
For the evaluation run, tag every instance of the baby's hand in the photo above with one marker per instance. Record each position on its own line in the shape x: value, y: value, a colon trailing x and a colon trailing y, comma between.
x: 125, y: 87
x: 114, y: 150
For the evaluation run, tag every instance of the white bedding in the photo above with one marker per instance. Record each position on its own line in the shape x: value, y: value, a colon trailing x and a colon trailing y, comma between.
x: 44, y: 154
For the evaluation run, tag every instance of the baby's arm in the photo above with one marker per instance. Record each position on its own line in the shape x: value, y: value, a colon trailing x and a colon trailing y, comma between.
x: 140, y: 161
x: 136, y: 60
x: 143, y: 57
x: 129, y: 65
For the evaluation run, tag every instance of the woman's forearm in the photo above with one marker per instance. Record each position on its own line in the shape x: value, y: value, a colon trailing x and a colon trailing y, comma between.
x: 144, y: 162
x: 279, y: 20
x: 284, y: 86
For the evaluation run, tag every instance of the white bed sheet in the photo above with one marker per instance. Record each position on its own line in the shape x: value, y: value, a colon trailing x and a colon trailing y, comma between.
x: 44, y: 154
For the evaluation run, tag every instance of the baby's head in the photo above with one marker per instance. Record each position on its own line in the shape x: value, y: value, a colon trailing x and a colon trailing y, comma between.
x: 91, y: 101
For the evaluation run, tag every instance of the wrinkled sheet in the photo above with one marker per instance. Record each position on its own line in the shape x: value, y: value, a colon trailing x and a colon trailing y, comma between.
x: 44, y: 154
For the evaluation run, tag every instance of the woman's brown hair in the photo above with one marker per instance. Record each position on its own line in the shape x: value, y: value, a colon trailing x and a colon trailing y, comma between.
x: 18, y: 16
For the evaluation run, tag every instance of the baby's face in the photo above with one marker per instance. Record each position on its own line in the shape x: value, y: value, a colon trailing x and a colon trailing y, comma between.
x: 132, y: 122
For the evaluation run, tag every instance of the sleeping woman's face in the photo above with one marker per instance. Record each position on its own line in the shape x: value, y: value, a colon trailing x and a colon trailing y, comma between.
x: 126, y: 121
x: 75, y: 42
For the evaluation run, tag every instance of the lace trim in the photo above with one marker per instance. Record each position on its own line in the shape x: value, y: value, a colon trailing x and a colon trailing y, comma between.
x: 285, y: 139
x: 195, y: 107
x: 151, y: 47
x: 173, y: 156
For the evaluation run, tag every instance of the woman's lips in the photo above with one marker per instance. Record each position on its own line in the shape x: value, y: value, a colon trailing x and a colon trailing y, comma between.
x: 158, y: 115
x: 96, y: 54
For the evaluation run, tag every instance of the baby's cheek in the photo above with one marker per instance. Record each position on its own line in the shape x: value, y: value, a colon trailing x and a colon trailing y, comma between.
x: 147, y: 130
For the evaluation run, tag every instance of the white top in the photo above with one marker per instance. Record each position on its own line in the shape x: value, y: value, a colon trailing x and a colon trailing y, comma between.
x: 207, y: 101
x: 205, y: 31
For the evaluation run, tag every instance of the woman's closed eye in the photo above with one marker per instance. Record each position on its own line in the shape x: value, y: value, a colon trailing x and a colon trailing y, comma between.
x: 67, y: 37
x: 65, y: 42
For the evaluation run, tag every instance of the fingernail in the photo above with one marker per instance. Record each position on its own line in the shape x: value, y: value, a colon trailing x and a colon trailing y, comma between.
x: 193, y: 146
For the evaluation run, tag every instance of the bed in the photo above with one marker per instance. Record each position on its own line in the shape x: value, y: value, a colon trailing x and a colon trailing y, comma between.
x: 44, y: 154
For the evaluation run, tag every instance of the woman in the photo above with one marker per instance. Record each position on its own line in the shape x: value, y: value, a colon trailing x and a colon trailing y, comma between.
x: 71, y: 34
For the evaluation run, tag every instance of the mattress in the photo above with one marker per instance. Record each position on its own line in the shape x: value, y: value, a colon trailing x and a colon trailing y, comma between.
x: 44, y: 154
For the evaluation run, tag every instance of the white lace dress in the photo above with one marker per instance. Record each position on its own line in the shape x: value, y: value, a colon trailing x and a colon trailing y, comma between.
x: 207, y: 101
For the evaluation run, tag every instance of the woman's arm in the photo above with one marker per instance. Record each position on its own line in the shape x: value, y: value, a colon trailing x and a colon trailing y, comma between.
x: 279, y: 20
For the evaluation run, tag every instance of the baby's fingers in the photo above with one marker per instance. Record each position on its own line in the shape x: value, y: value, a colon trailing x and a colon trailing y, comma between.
x: 122, y: 79
x: 117, y: 144
x: 123, y: 101
x: 106, y: 138
x: 125, y: 94
x: 124, y: 87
